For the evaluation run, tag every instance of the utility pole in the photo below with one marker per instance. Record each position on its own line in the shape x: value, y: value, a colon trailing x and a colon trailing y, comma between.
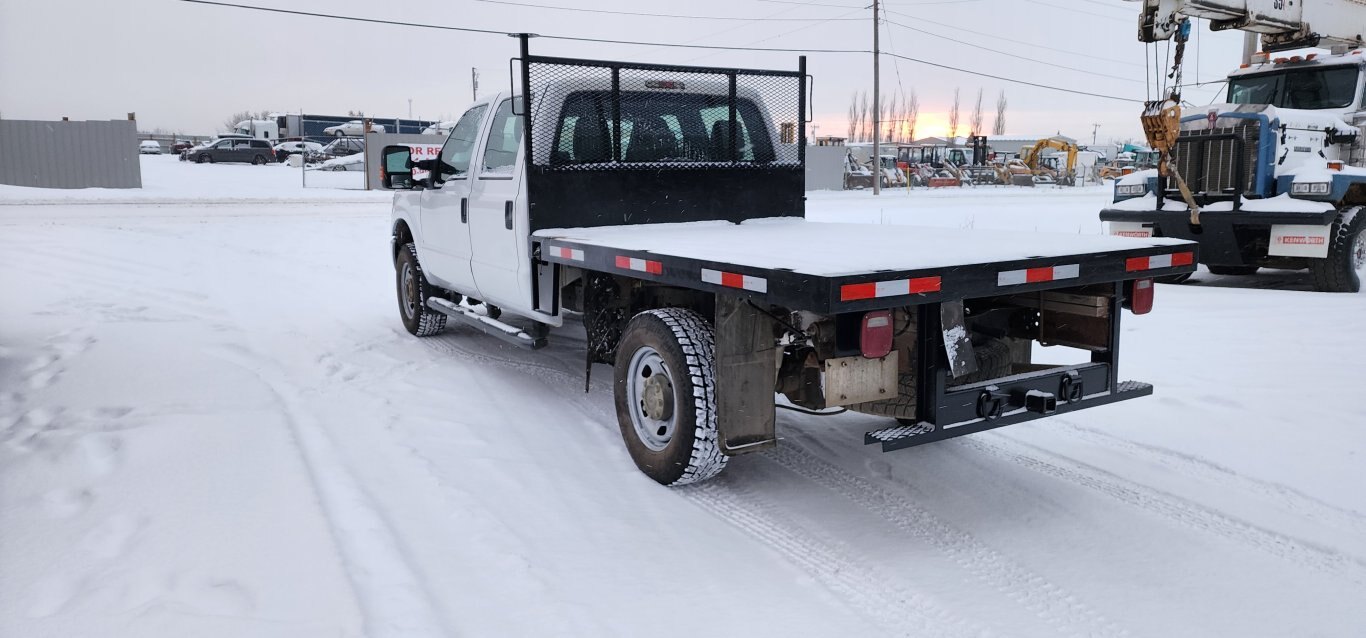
x: 877, y: 112
x: 474, y: 78
x: 1095, y: 128
x: 410, y: 108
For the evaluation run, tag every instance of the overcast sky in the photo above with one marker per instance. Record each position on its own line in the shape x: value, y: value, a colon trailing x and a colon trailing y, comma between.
x: 186, y: 67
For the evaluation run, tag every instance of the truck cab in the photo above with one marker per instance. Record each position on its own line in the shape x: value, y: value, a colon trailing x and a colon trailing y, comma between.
x: 1276, y: 171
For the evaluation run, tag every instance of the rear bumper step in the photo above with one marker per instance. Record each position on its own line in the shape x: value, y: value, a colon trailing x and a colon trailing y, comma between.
x: 1003, y: 407
x: 493, y: 327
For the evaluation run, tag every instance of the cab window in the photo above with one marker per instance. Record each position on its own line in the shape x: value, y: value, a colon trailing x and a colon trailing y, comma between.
x: 500, y: 154
x: 455, y: 155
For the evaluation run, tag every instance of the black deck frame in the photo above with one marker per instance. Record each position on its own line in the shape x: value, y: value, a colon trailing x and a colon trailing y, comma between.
x: 821, y: 295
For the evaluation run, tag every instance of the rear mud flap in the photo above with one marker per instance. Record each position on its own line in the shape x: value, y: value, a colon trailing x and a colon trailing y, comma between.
x: 746, y: 374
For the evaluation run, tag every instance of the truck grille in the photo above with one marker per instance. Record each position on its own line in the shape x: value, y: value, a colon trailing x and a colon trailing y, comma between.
x: 1211, y: 166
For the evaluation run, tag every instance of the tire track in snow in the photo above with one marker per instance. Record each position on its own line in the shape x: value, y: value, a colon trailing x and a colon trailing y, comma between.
x: 393, y: 599
x: 1049, y: 602
x: 1195, y: 467
x: 867, y: 589
x: 1174, y: 508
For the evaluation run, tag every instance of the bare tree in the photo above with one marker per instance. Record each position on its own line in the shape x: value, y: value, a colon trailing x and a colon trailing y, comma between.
x: 863, y: 119
x: 889, y: 118
x: 977, y: 115
x: 953, y: 117
x: 231, y: 122
x: 912, y: 114
x: 999, y: 127
x: 853, y: 117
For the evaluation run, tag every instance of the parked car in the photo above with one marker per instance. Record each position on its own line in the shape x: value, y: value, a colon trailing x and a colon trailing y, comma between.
x: 233, y: 149
x: 440, y: 128
x: 181, y: 146
x: 338, y: 148
x: 149, y: 147
x: 284, y: 149
x: 354, y: 162
x: 354, y: 128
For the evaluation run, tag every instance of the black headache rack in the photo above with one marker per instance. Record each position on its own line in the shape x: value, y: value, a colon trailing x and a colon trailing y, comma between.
x: 612, y: 143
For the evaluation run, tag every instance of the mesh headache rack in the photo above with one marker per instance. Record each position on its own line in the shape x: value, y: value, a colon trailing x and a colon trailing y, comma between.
x: 627, y: 143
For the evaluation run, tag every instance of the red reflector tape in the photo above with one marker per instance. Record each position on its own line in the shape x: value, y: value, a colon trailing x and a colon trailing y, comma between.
x: 640, y: 265
x: 895, y: 288
x: 566, y: 253
x: 1159, y: 261
x: 734, y: 280
x: 1035, y: 275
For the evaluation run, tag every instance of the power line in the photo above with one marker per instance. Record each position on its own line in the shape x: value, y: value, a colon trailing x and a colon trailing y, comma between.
x: 866, y: 6
x: 658, y: 15
x: 1106, y: 4
x: 1011, y: 80
x: 510, y: 33
x: 1017, y: 56
x: 1005, y: 39
x: 801, y: 28
x: 657, y: 44
x: 1107, y: 16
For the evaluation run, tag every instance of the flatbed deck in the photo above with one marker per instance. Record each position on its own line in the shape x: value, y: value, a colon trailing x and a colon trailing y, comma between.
x: 834, y: 267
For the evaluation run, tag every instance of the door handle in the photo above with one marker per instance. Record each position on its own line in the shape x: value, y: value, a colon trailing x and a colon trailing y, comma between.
x: 507, y: 215
x: 464, y: 210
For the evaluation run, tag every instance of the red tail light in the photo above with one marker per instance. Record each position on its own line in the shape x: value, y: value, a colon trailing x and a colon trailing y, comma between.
x: 1141, y: 296
x: 875, y: 340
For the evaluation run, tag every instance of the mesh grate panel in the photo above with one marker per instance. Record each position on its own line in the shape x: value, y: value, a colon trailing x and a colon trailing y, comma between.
x: 590, y: 115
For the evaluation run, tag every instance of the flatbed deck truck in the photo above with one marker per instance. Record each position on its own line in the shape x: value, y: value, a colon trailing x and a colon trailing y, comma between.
x: 664, y: 207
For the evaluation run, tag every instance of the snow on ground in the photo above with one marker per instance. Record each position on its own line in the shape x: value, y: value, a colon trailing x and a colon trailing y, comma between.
x: 213, y: 424
x: 166, y: 179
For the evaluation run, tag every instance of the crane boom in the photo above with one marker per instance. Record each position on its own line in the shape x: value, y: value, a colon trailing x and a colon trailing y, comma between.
x: 1283, y: 24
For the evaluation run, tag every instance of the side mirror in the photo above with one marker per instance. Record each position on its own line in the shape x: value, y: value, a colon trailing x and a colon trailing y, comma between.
x: 395, y: 170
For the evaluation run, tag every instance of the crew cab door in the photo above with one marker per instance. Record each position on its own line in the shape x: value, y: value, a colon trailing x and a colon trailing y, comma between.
x: 445, y: 234
x: 498, y: 218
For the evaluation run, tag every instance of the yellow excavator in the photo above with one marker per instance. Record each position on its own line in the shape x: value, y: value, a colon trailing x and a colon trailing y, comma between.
x: 1032, y: 156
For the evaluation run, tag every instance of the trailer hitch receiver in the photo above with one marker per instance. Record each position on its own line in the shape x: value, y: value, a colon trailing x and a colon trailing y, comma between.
x: 1036, y: 401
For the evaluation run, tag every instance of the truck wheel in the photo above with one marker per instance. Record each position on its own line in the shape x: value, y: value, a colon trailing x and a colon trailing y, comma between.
x: 666, y: 396
x: 1342, y: 270
x: 1232, y: 270
x: 413, y: 292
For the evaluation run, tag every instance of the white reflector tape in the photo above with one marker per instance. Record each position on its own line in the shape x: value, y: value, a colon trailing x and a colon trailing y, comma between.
x: 566, y: 253
x: 1035, y: 275
x: 735, y: 280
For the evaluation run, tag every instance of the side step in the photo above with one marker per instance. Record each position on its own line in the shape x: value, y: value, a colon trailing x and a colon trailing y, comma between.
x: 493, y: 327
x: 904, y: 436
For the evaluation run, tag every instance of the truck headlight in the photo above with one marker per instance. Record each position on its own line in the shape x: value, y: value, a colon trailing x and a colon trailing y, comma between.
x: 1130, y: 190
x: 1309, y: 188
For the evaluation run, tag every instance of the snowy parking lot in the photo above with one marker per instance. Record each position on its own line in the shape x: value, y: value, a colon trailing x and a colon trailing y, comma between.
x: 212, y: 423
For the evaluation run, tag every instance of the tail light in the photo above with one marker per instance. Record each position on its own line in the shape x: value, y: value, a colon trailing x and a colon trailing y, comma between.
x: 875, y: 340
x: 1141, y: 296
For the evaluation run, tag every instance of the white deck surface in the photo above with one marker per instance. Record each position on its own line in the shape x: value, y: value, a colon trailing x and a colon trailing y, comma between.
x: 834, y: 249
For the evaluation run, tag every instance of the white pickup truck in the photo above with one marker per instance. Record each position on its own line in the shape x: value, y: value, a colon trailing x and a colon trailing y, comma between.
x: 662, y: 207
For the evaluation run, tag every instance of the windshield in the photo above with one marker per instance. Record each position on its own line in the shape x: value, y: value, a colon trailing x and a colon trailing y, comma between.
x: 1324, y: 88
